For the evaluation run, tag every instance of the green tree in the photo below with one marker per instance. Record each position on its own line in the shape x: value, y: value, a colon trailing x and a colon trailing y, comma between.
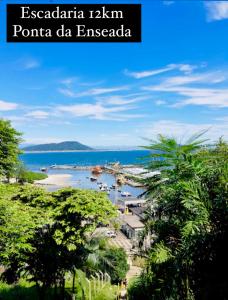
x: 79, y: 212
x: 188, y: 215
x: 9, y: 142
x: 117, y: 267
x: 17, y: 225
x: 106, y: 258
x: 23, y: 175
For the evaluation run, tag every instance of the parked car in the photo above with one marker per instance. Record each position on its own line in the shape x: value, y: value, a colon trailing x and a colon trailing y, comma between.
x: 111, y: 234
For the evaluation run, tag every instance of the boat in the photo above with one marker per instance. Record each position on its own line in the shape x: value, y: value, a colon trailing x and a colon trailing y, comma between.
x: 93, y: 178
x: 126, y: 194
x: 96, y: 170
x: 43, y: 169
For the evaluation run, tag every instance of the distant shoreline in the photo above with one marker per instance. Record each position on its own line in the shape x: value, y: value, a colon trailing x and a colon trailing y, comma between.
x: 71, y: 151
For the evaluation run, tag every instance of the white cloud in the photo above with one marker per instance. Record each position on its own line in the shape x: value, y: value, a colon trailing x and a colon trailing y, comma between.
x: 68, y: 81
x: 216, y: 10
x: 98, y: 111
x: 122, y: 99
x: 195, y: 95
x: 182, y: 130
x: 67, y: 92
x: 92, y: 92
x: 160, y: 102
x: 6, y: 106
x: 38, y: 114
x: 30, y: 63
x: 168, y: 2
x: 185, y: 68
x: 143, y: 74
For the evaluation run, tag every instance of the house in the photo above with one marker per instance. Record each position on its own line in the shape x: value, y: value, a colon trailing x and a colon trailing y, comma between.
x: 132, y: 226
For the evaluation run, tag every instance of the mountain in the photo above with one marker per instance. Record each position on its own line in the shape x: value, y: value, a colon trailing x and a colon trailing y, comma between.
x: 63, y: 146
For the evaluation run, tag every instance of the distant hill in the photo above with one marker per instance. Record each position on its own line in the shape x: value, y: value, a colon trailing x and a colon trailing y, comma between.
x: 64, y: 146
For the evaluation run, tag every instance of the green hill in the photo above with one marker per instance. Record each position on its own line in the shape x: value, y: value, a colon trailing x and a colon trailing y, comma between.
x: 63, y: 146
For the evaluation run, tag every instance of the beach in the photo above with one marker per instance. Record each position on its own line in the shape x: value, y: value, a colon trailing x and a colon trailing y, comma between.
x: 60, y: 180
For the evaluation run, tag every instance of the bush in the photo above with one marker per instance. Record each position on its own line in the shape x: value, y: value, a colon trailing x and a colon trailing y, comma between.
x: 30, y: 177
x: 115, y: 264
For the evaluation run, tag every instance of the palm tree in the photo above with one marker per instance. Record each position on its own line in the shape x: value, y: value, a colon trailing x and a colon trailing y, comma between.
x: 191, y: 200
x: 97, y: 247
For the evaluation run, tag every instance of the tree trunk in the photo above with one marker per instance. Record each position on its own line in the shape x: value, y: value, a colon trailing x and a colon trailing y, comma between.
x: 62, y: 293
x: 73, y: 283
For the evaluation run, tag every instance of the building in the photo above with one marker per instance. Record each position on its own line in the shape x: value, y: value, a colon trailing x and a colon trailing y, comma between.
x: 132, y: 226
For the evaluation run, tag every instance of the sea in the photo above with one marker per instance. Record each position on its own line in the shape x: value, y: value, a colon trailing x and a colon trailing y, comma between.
x: 35, y: 161
x: 80, y: 178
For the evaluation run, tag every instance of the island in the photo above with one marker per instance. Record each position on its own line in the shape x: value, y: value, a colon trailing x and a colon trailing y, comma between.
x: 63, y: 146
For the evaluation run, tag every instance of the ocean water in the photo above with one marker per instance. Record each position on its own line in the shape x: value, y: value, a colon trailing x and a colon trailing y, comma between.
x: 80, y: 178
x: 35, y: 161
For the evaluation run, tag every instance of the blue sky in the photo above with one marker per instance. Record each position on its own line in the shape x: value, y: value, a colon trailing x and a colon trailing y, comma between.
x: 174, y: 82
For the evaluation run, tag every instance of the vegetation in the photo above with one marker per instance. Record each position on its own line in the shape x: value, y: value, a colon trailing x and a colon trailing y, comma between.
x: 189, y: 222
x: 43, y: 235
x: 9, y: 141
x: 106, y: 258
x: 47, y: 242
x: 22, y: 175
x: 64, y: 146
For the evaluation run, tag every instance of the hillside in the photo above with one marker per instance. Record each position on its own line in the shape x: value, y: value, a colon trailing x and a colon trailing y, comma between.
x: 63, y: 146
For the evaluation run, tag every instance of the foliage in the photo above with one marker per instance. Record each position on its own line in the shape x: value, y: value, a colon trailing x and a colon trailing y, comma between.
x: 17, y: 223
x: 34, y: 196
x: 117, y: 266
x: 188, y: 216
x: 106, y: 258
x: 79, y: 212
x: 43, y: 235
x: 9, y: 141
x: 106, y: 291
x: 23, y: 175
x: 23, y: 290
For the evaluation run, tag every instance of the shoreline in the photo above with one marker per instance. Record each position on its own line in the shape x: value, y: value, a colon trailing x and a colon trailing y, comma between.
x: 71, y: 151
x: 61, y: 180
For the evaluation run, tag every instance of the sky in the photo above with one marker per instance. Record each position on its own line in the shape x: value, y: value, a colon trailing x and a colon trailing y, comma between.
x: 175, y: 82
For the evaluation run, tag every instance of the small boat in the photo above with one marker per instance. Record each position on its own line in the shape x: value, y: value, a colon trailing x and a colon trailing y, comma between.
x: 43, y: 169
x: 93, y: 178
x: 96, y: 170
x: 125, y: 194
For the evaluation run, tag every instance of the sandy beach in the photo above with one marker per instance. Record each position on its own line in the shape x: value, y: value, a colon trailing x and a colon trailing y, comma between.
x: 56, y: 179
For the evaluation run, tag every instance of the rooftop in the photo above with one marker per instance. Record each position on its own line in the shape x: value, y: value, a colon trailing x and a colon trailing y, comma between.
x: 133, y: 221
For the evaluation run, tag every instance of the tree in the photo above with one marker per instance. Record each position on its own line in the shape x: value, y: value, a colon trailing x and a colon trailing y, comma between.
x: 190, y: 222
x: 78, y: 213
x: 9, y: 142
x: 106, y: 258
x: 17, y: 225
x: 118, y: 266
x: 23, y: 175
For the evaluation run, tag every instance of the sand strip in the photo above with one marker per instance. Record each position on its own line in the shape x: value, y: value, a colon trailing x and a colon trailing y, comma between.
x: 56, y: 179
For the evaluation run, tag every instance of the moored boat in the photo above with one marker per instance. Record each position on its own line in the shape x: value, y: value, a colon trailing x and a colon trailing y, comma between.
x: 93, y: 178
x: 126, y: 194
